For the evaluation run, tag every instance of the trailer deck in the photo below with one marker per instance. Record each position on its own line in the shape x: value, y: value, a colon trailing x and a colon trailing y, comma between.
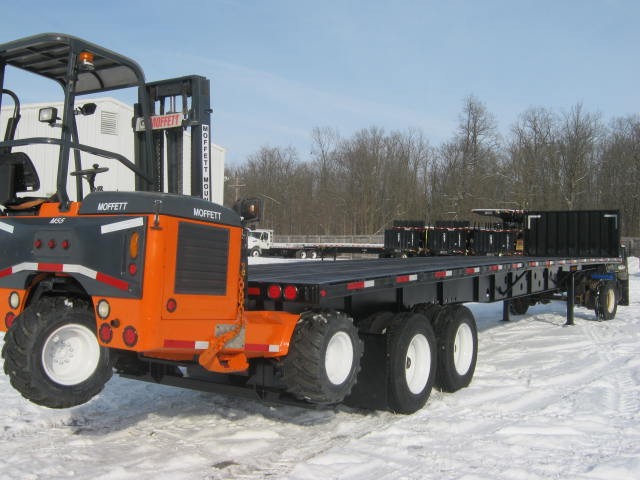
x: 439, y: 280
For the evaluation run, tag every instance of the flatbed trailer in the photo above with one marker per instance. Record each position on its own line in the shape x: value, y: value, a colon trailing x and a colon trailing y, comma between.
x: 377, y: 293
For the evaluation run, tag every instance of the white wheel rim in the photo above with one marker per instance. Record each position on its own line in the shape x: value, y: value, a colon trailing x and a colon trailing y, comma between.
x: 463, y: 349
x: 70, y: 354
x: 338, y: 358
x: 417, y: 364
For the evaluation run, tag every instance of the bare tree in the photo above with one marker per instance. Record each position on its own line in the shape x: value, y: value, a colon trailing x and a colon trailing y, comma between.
x: 531, y: 169
x: 577, y: 148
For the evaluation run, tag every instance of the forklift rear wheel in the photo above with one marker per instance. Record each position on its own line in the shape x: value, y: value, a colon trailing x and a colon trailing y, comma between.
x: 324, y: 358
x: 52, y: 355
x: 411, y: 362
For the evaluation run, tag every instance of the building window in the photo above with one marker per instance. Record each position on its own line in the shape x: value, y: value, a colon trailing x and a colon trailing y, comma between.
x: 108, y: 123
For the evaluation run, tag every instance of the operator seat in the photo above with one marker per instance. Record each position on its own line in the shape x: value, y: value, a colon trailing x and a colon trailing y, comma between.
x: 18, y: 175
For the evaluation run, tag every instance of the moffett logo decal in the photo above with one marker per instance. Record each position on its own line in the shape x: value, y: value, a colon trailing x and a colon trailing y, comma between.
x: 158, y: 122
x: 112, y: 206
x: 208, y: 214
x: 206, y: 164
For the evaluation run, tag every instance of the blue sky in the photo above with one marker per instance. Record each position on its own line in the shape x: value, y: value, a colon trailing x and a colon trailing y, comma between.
x: 279, y: 68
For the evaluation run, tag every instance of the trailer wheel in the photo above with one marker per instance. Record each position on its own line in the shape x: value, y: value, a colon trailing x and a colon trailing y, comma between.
x: 52, y: 355
x: 324, y: 358
x: 457, y: 348
x: 607, y: 301
x: 411, y: 362
x: 376, y: 323
x: 519, y: 306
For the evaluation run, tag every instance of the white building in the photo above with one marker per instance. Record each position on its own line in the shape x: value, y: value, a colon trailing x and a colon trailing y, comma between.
x: 109, y: 129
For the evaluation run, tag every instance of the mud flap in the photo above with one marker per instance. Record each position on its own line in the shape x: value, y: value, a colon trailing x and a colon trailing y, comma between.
x: 370, y: 390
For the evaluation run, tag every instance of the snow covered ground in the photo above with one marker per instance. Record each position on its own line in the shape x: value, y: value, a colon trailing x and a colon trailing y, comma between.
x: 547, y: 401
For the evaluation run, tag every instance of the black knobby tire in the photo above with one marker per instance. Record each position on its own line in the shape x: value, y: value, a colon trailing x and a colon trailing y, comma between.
x: 324, y: 358
x: 411, y: 362
x: 519, y: 306
x: 429, y: 310
x: 607, y: 301
x: 376, y: 323
x: 457, y: 336
x: 52, y: 356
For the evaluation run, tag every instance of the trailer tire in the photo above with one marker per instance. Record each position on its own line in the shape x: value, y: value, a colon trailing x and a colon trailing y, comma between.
x: 52, y: 355
x: 519, y: 306
x: 457, y: 336
x: 411, y: 362
x: 324, y: 358
x: 429, y: 310
x: 607, y: 301
x: 376, y: 323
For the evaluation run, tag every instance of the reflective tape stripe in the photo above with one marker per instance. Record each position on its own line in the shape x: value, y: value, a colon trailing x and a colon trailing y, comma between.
x: 5, y: 227
x: 443, y: 274
x: 122, y: 225
x: 406, y: 278
x: 67, y: 268
x: 360, y: 285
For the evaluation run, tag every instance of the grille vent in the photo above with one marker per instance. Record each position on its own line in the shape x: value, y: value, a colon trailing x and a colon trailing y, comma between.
x: 201, y: 264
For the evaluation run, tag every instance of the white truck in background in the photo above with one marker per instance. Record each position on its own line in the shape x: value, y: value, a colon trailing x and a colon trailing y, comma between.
x: 260, y: 242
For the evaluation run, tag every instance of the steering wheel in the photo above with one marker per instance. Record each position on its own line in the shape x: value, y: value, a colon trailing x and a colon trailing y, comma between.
x: 89, y: 174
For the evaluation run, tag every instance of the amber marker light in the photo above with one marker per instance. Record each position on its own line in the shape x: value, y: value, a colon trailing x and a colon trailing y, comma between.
x: 85, y: 60
x: 134, y: 245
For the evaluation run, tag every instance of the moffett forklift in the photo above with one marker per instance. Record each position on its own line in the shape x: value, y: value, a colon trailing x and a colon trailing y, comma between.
x: 117, y: 279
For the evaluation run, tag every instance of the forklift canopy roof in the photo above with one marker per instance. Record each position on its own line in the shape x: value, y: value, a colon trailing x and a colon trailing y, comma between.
x: 49, y: 55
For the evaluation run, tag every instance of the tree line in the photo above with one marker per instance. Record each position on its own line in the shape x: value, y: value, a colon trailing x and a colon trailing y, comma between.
x: 359, y: 184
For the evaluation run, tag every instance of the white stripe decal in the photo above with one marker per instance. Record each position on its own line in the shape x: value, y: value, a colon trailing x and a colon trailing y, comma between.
x: 274, y: 348
x: 369, y: 283
x: 82, y: 270
x: 6, y: 227
x: 123, y: 225
x: 201, y: 345
x: 24, y: 266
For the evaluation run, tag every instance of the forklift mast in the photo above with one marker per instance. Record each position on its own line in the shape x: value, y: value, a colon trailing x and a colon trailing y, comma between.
x: 175, y: 105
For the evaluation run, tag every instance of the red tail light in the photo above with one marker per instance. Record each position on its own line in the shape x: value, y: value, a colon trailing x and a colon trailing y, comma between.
x: 171, y: 305
x: 105, y: 333
x: 130, y: 336
x: 274, y: 292
x: 9, y: 319
x: 290, y: 292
